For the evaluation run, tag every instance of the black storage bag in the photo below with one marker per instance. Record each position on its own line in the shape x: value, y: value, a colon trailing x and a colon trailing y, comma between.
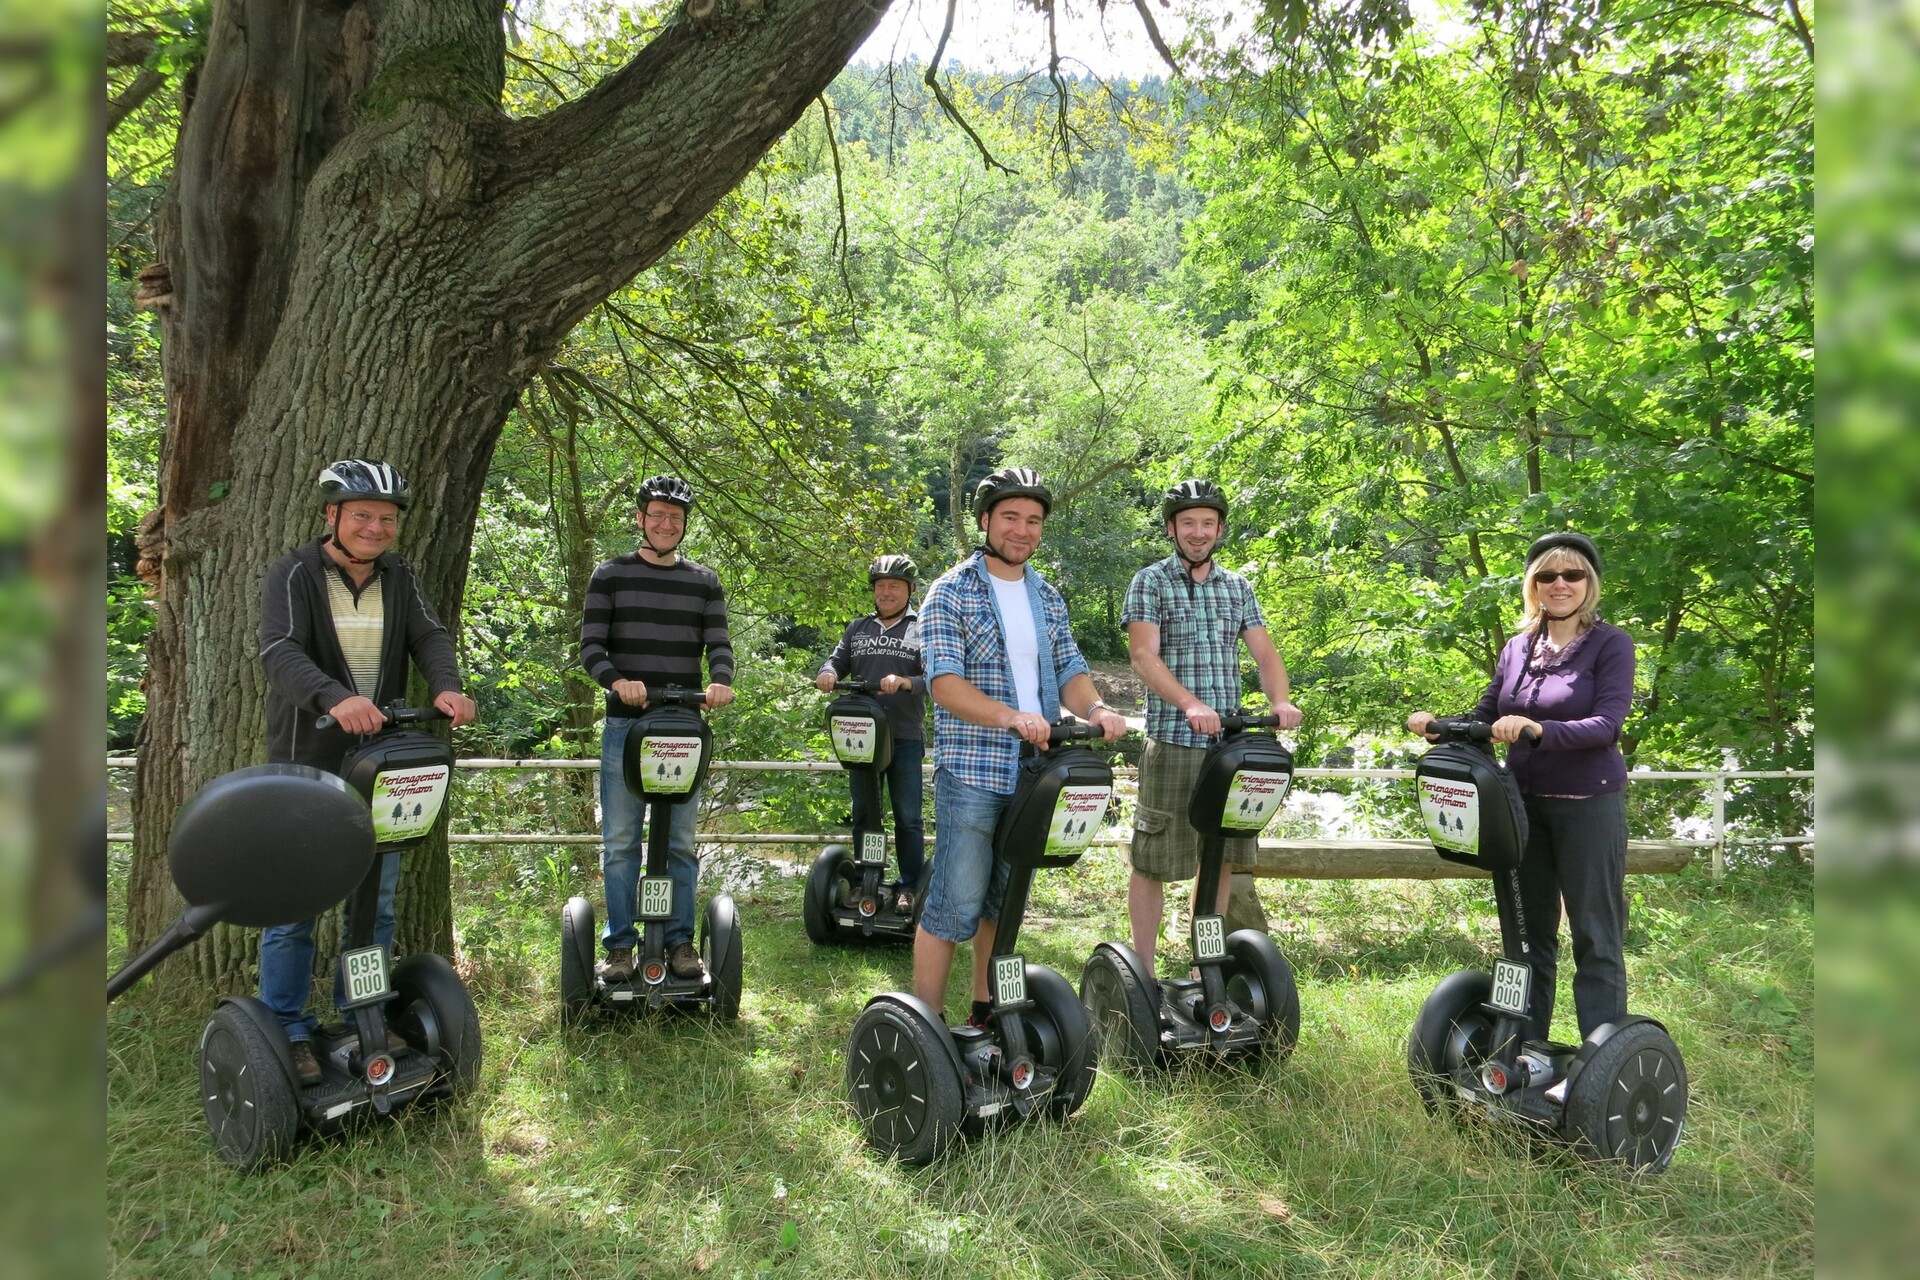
x: 1472, y: 807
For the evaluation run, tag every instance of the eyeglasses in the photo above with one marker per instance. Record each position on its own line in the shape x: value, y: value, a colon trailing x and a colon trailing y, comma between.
x: 1545, y: 576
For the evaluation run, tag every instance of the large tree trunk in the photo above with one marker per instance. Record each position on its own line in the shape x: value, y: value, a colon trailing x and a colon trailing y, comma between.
x: 367, y: 258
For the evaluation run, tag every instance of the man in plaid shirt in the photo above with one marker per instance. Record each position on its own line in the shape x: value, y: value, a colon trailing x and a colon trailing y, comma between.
x: 1000, y: 664
x: 1186, y: 618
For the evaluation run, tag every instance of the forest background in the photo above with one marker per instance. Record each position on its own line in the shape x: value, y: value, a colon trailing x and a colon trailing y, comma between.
x: 1411, y: 300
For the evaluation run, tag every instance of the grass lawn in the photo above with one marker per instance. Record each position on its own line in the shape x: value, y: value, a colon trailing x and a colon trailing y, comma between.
x: 681, y: 1148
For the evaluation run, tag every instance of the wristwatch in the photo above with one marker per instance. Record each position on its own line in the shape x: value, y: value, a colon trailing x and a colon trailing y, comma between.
x: 1098, y: 705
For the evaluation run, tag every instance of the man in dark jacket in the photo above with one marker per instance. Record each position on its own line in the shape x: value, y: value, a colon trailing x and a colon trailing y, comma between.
x: 884, y: 647
x: 339, y: 618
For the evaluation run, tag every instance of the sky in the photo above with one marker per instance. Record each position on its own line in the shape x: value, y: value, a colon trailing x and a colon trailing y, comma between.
x: 1007, y: 35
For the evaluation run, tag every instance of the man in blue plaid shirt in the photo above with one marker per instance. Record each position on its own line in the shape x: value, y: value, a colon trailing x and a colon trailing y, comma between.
x: 1186, y: 618
x: 1000, y: 664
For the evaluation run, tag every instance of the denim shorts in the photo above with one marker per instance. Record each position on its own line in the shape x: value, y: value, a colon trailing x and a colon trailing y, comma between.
x: 968, y: 881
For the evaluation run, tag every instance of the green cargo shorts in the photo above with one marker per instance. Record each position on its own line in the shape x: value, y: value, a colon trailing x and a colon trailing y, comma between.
x: 1165, y: 845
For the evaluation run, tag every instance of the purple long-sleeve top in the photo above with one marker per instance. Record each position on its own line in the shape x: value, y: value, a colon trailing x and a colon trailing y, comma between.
x: 1580, y: 704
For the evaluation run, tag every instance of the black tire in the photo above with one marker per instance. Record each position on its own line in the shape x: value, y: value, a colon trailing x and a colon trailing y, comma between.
x: 892, y: 1050
x: 246, y: 1092
x: 823, y: 883
x: 576, y: 959
x: 429, y: 979
x: 1453, y: 1031
x: 1260, y: 980
x: 1061, y: 1037
x: 1122, y: 1003
x: 720, y: 950
x: 1629, y: 1103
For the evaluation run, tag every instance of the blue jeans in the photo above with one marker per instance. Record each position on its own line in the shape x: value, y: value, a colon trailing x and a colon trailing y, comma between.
x: 902, y: 780
x: 286, y: 957
x: 623, y: 850
x: 968, y: 883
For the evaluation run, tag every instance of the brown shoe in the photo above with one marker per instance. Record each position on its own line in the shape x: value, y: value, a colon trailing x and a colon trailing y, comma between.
x: 619, y: 965
x: 306, y: 1067
x: 683, y: 962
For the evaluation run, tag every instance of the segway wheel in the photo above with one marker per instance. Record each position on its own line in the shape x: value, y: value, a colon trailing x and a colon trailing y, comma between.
x: 823, y: 882
x: 246, y: 1093
x: 720, y: 950
x: 902, y: 1082
x: 576, y: 959
x: 1452, y: 1032
x: 1629, y: 1103
x: 1122, y: 1002
x: 1061, y: 1037
x: 437, y: 1017
x: 1260, y: 980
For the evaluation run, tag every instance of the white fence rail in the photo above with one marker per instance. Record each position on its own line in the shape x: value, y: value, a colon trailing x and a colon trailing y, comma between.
x: 1716, y: 781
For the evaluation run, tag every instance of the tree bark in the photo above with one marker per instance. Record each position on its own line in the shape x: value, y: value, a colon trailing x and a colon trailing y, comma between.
x: 369, y: 259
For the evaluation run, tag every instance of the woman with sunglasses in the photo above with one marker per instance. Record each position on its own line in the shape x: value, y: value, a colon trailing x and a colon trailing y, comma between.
x: 1569, y: 676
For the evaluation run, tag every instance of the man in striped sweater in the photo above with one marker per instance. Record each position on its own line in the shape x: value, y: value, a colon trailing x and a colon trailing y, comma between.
x: 650, y: 617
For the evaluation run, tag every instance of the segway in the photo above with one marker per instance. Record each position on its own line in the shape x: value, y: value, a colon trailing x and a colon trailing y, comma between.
x: 916, y: 1083
x: 414, y: 1033
x: 846, y: 890
x: 1619, y: 1095
x: 1245, y: 1003
x: 665, y: 761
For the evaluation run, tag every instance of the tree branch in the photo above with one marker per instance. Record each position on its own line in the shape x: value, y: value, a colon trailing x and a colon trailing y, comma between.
x: 143, y: 87
x: 1154, y: 37
x: 932, y: 78
x: 593, y: 192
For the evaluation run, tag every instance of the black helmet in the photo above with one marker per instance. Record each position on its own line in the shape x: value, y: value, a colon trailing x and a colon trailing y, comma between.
x: 1011, y: 482
x: 1570, y: 540
x: 892, y: 567
x: 356, y: 479
x: 1189, y: 494
x: 666, y: 489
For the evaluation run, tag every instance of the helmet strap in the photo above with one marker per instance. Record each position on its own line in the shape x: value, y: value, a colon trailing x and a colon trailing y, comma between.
x: 334, y: 537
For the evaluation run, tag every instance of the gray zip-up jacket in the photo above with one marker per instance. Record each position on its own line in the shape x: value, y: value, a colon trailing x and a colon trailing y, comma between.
x: 305, y: 669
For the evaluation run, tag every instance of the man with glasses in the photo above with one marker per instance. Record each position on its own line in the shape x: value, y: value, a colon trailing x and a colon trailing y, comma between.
x: 651, y: 616
x: 339, y: 619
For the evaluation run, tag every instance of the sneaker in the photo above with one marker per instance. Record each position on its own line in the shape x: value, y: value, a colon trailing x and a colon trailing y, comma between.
x: 682, y: 962
x: 903, y: 900
x: 306, y: 1067
x: 619, y: 965
x: 980, y: 1014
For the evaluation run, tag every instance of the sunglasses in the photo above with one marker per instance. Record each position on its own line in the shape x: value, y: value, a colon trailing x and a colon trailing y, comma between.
x: 1545, y: 576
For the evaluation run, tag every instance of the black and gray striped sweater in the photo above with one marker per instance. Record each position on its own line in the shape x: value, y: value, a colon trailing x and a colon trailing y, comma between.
x: 653, y: 623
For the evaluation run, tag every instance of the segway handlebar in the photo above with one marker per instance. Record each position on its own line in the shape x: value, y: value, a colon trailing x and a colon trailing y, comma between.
x: 669, y: 697
x: 396, y: 713
x: 1465, y: 729
x: 1239, y: 721
x: 854, y: 684
x: 1061, y: 732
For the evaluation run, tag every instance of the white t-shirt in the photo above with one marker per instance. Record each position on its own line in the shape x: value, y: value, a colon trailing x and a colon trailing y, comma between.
x: 1023, y: 642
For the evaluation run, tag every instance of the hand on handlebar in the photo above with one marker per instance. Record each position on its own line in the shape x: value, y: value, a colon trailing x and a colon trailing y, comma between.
x: 1289, y: 715
x: 357, y: 715
x: 825, y: 681
x: 457, y: 706
x: 1031, y: 726
x: 718, y: 695
x: 631, y: 692
x: 895, y: 683
x: 1510, y: 729
x: 1417, y: 724
x: 1203, y: 719
x: 1109, y: 722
